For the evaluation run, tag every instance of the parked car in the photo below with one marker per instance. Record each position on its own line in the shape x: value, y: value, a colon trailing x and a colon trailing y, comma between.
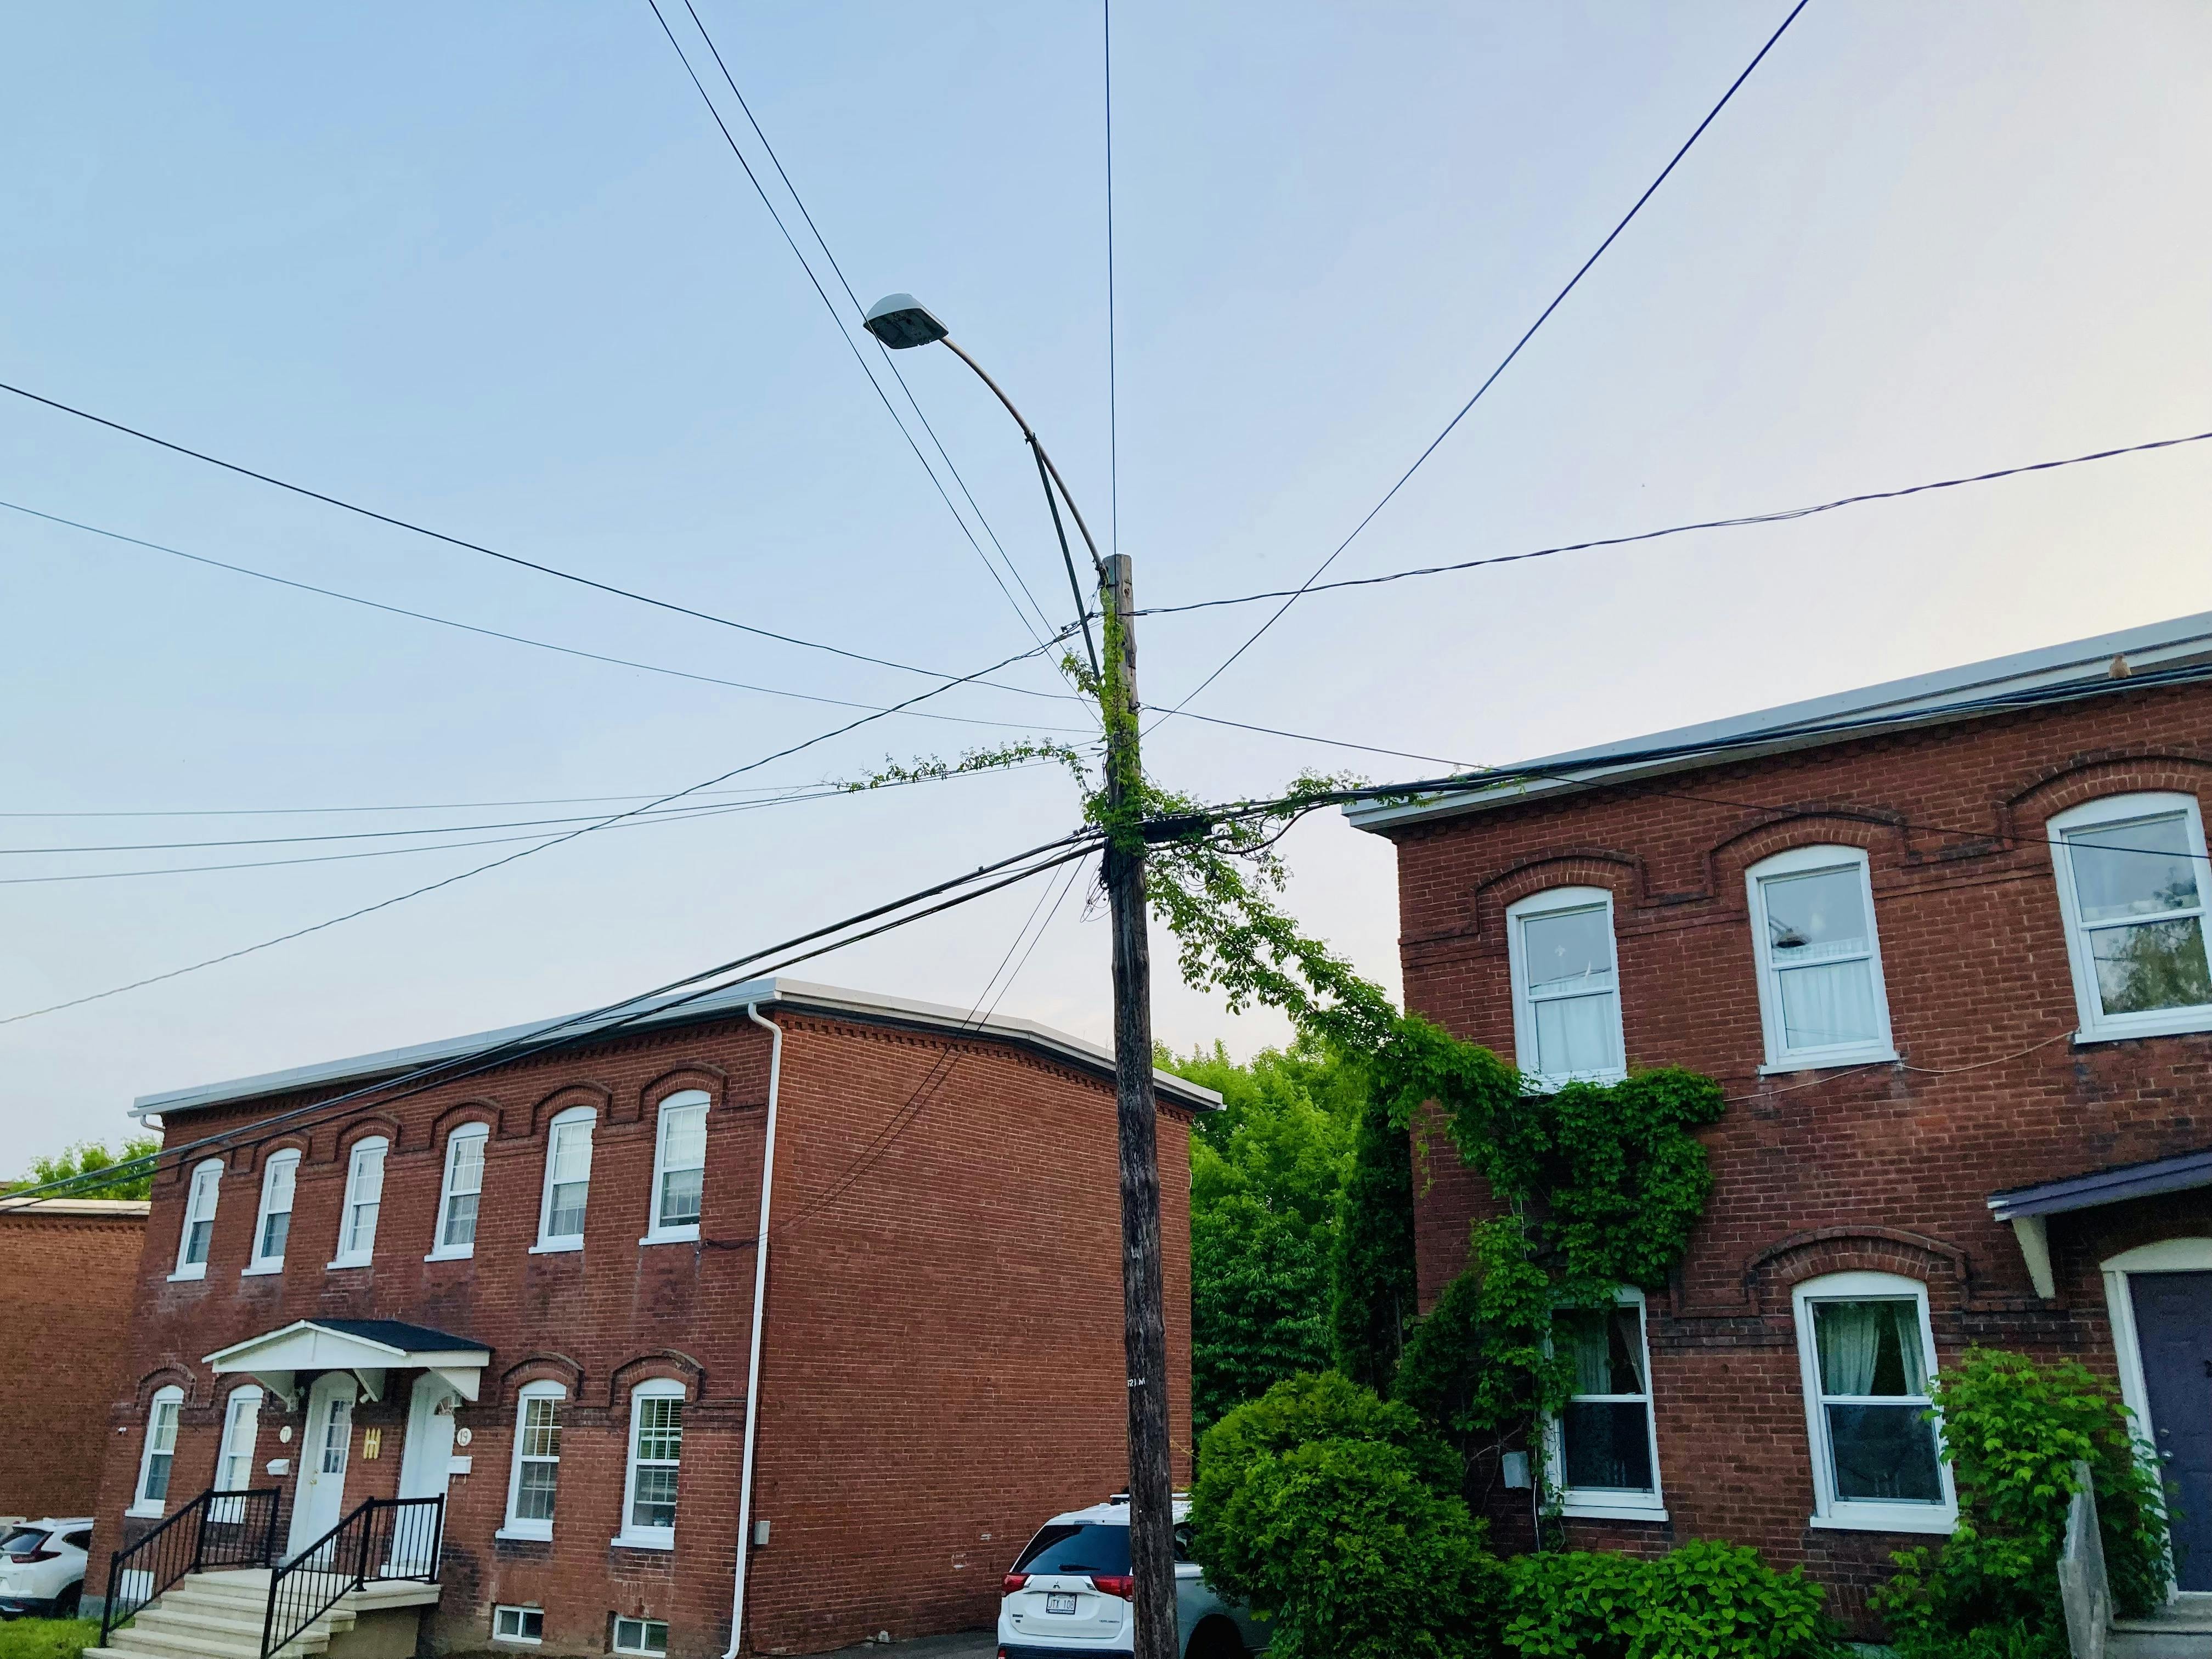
x: 1069, y: 1589
x: 42, y: 1568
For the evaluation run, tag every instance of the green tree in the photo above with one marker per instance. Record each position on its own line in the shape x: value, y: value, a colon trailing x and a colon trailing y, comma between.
x: 82, y: 1165
x: 1373, y: 1294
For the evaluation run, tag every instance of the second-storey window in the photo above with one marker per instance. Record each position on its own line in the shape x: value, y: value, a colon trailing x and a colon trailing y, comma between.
x: 1864, y: 1343
x: 679, y: 1168
x: 1604, y: 1447
x: 1566, y: 986
x: 461, y: 1191
x: 364, y: 1197
x: 2131, y: 881
x: 273, y: 1224
x: 568, y: 1180
x: 537, y: 1472
x: 160, y: 1454
x: 656, y: 1441
x: 198, y: 1235
x: 1821, y: 993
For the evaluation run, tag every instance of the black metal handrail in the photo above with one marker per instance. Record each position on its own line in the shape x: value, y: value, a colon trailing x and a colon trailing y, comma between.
x: 386, y: 1538
x: 216, y: 1529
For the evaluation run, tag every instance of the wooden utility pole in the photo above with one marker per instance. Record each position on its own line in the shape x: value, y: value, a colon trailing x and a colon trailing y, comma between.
x: 1151, y: 1481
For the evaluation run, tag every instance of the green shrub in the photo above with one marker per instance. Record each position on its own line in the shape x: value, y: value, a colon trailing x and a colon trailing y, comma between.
x: 2012, y: 1430
x: 47, y: 1638
x: 1355, y: 1555
x: 1705, y: 1600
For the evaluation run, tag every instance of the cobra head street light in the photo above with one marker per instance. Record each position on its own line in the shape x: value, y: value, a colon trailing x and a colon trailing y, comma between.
x: 901, y: 321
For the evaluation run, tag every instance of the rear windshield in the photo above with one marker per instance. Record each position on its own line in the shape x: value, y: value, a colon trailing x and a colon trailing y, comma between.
x: 1082, y: 1547
x: 26, y: 1540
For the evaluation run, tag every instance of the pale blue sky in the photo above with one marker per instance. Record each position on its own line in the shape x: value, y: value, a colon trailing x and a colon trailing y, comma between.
x: 491, y: 267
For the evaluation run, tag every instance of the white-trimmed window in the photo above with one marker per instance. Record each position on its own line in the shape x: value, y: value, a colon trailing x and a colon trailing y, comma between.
x: 531, y: 1483
x: 198, y: 1235
x: 1868, y: 1353
x: 645, y: 1636
x: 2131, y: 882
x: 1604, y: 1445
x: 568, y: 1180
x: 656, y: 1445
x: 1821, y: 994
x: 1566, y: 986
x: 159, y: 1454
x: 524, y: 1625
x: 234, y: 1459
x: 364, y: 1197
x: 460, y: 1193
x: 679, y: 1169
x: 272, y: 1223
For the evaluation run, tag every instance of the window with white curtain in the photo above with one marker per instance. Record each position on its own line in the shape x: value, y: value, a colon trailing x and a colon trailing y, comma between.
x: 535, y: 1476
x: 233, y: 1462
x: 160, y: 1454
x: 1566, y: 986
x: 2131, y: 882
x: 198, y: 1235
x: 364, y: 1197
x: 272, y: 1223
x: 568, y: 1180
x: 679, y: 1169
x: 656, y: 1445
x: 1821, y: 994
x: 460, y: 1193
x: 1603, y: 1444
x: 1866, y: 1352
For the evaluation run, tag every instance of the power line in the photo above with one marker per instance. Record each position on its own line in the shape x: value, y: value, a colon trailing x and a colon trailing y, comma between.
x: 730, y: 138
x: 859, y: 311
x: 518, y: 639
x: 1557, y: 301
x: 493, y: 552
x: 1308, y: 737
x: 1781, y: 515
x: 448, y: 881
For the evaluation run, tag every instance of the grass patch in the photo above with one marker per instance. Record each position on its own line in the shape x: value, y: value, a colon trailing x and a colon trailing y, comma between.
x: 47, y: 1638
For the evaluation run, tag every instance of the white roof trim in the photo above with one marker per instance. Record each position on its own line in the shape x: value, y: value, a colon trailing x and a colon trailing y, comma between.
x: 797, y: 994
x: 1933, y: 697
x: 305, y: 1346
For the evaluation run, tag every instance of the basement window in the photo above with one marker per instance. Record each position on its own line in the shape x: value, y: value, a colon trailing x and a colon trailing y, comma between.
x: 648, y: 1636
x: 525, y: 1625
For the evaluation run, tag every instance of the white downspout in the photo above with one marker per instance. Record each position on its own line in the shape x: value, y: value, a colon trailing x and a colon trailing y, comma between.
x: 760, y: 1320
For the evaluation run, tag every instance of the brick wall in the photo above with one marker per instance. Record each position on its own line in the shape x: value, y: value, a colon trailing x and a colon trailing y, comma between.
x: 943, y: 1364
x: 1885, y: 1167
x: 66, y: 1275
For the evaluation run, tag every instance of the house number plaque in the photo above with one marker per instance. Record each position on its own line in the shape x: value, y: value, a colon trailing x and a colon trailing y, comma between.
x: 372, y: 1444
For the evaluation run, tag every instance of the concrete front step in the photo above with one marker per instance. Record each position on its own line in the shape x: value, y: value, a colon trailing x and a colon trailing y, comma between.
x: 219, y: 1616
x: 2180, y: 1630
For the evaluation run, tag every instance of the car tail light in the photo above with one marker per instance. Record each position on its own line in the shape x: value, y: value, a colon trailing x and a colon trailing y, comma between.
x: 1122, y: 1584
x: 1015, y: 1581
x: 37, y: 1555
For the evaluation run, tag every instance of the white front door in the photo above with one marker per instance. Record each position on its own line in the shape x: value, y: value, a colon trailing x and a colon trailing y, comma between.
x: 425, y: 1464
x: 318, y: 1498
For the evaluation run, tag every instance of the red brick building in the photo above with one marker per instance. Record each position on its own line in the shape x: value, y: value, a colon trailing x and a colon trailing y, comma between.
x: 67, y: 1270
x: 531, y: 1290
x: 1943, y: 943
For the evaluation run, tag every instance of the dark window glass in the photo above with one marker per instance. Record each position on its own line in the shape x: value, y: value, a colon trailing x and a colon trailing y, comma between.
x: 1608, y: 1447
x: 1884, y: 1453
x: 77, y: 1540
x: 1084, y: 1547
x: 28, y: 1540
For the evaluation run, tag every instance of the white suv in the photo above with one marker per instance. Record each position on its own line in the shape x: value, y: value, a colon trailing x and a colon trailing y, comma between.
x: 42, y: 1568
x: 1069, y: 1593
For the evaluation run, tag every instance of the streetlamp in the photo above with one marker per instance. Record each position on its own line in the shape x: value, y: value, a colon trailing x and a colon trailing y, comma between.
x: 901, y: 322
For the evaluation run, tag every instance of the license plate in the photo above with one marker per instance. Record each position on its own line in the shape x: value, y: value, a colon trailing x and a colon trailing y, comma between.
x: 1059, y: 1601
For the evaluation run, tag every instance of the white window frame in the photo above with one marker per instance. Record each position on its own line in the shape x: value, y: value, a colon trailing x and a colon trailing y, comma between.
x: 351, y: 1254
x: 688, y: 1232
x: 644, y: 1625
x: 547, y: 1243
x: 169, y: 1399
x: 1780, y: 1056
x: 241, y: 1418
x: 206, y: 1184
x: 1858, y: 1515
x: 439, y: 1250
x: 515, y: 1526
x: 518, y: 1640
x: 285, y: 1164
x: 632, y: 1536
x: 1552, y: 901
x: 2112, y: 812
x: 1611, y: 1504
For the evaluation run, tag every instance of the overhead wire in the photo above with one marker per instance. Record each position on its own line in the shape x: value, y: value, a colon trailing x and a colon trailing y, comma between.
x: 1558, y: 300
x: 520, y: 639
x: 890, y: 409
